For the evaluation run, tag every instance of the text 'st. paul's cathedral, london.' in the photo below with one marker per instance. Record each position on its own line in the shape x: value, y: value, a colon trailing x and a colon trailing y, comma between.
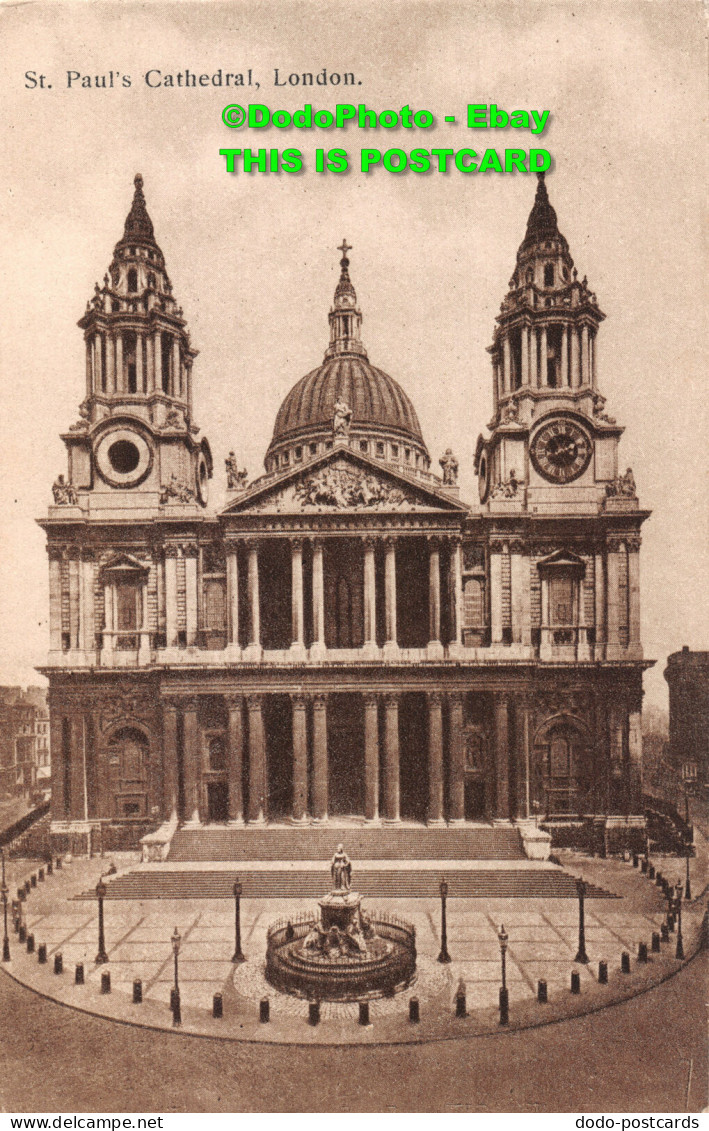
x: 347, y: 639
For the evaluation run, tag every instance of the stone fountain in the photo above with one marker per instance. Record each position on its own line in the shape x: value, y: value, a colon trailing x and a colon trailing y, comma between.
x: 342, y: 953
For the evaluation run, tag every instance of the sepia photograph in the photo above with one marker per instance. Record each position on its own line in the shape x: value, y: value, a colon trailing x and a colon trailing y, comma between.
x: 354, y: 638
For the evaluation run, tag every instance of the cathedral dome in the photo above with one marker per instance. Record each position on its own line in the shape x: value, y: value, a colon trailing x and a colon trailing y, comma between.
x: 383, y: 421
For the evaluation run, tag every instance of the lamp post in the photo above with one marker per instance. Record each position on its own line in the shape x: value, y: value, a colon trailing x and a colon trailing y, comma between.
x: 581, y: 955
x: 101, y: 957
x: 444, y: 956
x: 503, y: 938
x: 176, y: 1011
x: 687, y: 887
x: 3, y: 891
x: 238, y: 953
x: 679, y: 952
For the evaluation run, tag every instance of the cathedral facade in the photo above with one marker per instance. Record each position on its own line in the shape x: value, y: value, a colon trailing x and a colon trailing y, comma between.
x: 346, y: 637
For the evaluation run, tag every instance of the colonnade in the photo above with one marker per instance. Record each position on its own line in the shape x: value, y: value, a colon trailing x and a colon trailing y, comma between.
x: 246, y: 738
x: 106, y: 371
x: 577, y: 366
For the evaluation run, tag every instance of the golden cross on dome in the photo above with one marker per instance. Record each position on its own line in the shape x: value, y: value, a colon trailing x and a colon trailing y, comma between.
x: 344, y: 248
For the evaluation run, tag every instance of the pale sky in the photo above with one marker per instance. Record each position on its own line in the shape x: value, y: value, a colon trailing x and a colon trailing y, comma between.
x: 253, y: 259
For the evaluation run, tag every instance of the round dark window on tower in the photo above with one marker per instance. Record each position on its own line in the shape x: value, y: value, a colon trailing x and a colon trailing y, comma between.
x: 124, y: 456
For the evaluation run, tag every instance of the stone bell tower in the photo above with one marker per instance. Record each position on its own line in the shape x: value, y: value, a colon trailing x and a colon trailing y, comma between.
x: 552, y: 444
x: 135, y: 446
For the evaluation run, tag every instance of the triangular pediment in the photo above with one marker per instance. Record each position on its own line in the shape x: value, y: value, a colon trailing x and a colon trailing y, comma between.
x: 123, y: 563
x: 342, y: 480
x: 562, y: 560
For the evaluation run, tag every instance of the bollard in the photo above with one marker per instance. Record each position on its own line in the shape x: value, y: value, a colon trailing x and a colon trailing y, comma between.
x: 27, y: 887
x: 664, y: 933
x: 33, y: 880
x: 30, y: 944
x: 643, y: 866
x: 414, y: 1010
x: 217, y: 1006
x: 575, y: 982
x: 42, y: 953
x: 264, y: 1010
x: 58, y: 963
x: 40, y: 875
x: 364, y: 1013
x: 655, y: 942
x: 642, y: 952
x: 504, y: 1006
x: 658, y: 879
x: 542, y: 996
x: 603, y: 973
x: 460, y: 1010
x: 21, y: 895
x: 137, y: 991
x: 105, y: 982
x: 635, y: 860
x: 49, y: 867
x: 625, y: 963
x: 670, y: 921
x: 58, y: 863
x: 22, y: 933
x: 79, y: 974
x: 314, y: 1013
x: 651, y: 871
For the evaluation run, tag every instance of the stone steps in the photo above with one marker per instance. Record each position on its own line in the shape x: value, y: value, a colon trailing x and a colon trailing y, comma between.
x: 361, y: 843
x: 395, y: 883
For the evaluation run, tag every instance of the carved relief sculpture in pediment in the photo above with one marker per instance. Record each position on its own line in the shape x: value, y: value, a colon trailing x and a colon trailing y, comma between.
x: 342, y: 488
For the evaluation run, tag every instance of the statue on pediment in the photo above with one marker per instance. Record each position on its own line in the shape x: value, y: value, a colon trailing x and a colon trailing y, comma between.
x: 341, y: 420
x: 235, y: 478
x: 449, y: 465
x: 64, y: 493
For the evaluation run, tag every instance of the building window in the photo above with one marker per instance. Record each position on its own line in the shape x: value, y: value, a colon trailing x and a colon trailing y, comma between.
x: 298, y: 453
x: 548, y: 274
x: 395, y: 451
x: 166, y: 342
x: 129, y: 362
x: 380, y: 448
x: 285, y: 458
x: 217, y: 754
x: 561, y: 600
x: 132, y: 281
x: 407, y: 454
x: 313, y: 449
x: 363, y: 446
x: 127, y: 606
x: 214, y: 606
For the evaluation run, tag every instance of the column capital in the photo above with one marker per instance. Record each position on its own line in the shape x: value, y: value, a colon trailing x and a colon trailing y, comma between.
x: 171, y: 551
x: 190, y: 550
x: 55, y: 553
x: 317, y: 541
x: 320, y: 701
x: 296, y: 542
x: 391, y: 540
x: 172, y: 704
x: 299, y: 700
x: 234, y: 700
x: 190, y: 703
x: 369, y: 541
x: 391, y: 699
x: 255, y: 702
x: 231, y: 545
x: 455, y: 698
x: 371, y: 698
x: 434, y: 541
x: 435, y: 698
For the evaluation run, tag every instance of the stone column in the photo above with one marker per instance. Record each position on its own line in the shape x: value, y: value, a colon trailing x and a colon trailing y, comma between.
x: 74, y: 598
x: 150, y: 363
x: 56, y: 746
x: 300, y: 759
x: 565, y: 356
x: 435, y: 648
x: 110, y: 365
x: 525, y: 355
x: 192, y: 762
x: 320, y: 758
x: 371, y: 756
x: 157, y: 359
x: 635, y: 760
x: 120, y: 376
x: 235, y: 765
x: 232, y: 594
x: 457, y: 591
x: 169, y: 759
x: 77, y: 768
x: 108, y: 619
x: 88, y: 626
x: 545, y: 644
x: 524, y: 794
x: 258, y: 786
x: 594, y: 360
x: 435, y: 758
x: 496, y: 593
x: 171, y: 596
x: 615, y: 549
x: 370, y: 596
x: 520, y: 595
x: 391, y: 759
x: 55, y: 599
x: 297, y: 609
x: 502, y: 807
x: 507, y: 365
x: 139, y: 375
x: 543, y: 357
x: 575, y: 360
x: 600, y: 607
x: 633, y: 546
x: 190, y: 555
x: 585, y: 368
x: 457, y: 757
x: 254, y: 645
x: 176, y: 370
x: 582, y: 649
x: 318, y: 646
x: 391, y: 644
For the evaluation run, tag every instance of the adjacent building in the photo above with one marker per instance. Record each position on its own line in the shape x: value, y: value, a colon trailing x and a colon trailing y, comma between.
x: 24, y: 741
x: 687, y: 675
x: 346, y: 636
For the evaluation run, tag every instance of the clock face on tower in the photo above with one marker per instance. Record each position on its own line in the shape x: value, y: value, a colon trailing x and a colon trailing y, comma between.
x: 561, y: 451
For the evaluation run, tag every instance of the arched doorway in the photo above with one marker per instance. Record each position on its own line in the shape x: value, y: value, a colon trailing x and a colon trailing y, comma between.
x: 561, y: 767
